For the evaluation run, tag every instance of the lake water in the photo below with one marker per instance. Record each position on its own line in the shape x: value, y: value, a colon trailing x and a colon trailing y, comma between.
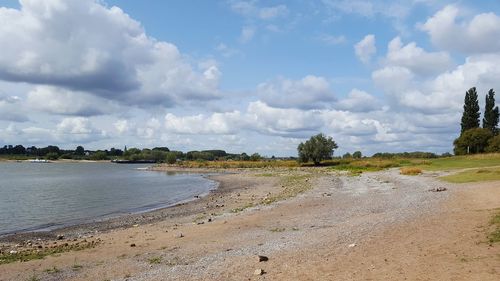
x: 35, y: 196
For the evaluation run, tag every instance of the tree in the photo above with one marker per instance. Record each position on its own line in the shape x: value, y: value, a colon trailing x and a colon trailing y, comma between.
x: 491, y: 114
x: 494, y: 144
x: 171, y: 157
x: 357, y: 154
x: 317, y: 148
x: 347, y: 155
x: 470, y: 117
x: 255, y: 157
x: 79, y: 150
x: 472, y: 141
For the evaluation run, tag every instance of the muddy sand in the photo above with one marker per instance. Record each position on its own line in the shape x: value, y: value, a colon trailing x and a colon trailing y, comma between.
x: 377, y: 226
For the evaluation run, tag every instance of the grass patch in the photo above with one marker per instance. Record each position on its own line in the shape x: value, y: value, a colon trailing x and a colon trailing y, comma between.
x: 239, y: 164
x: 155, y: 260
x: 494, y: 236
x: 464, y: 162
x: 410, y: 171
x: 474, y: 175
x: 242, y: 208
x: 76, y: 267
x: 277, y: 229
x: 52, y: 270
x: 292, y: 185
x: 28, y: 255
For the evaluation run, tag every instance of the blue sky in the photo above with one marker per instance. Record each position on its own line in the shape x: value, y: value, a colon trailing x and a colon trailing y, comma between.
x: 254, y: 76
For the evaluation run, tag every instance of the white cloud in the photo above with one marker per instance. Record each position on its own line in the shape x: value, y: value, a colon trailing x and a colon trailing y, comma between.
x: 268, y: 13
x: 85, y: 46
x: 479, y: 35
x: 358, y: 101
x: 306, y: 93
x: 57, y: 100
x: 416, y: 59
x: 247, y: 34
x: 332, y: 39
x: 280, y: 121
x: 217, y: 123
x: 366, y: 48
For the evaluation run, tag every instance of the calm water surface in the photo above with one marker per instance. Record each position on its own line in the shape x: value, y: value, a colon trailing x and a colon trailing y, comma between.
x: 36, y: 196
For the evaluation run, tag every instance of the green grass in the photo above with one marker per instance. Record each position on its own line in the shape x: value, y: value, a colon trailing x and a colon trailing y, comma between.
x: 52, y: 270
x: 474, y: 175
x: 494, y: 236
x: 28, y: 255
x: 155, y: 260
x: 463, y: 162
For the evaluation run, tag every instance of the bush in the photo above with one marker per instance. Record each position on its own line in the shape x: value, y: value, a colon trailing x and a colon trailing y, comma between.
x: 410, y: 171
x: 52, y: 156
x: 494, y: 144
x: 472, y: 141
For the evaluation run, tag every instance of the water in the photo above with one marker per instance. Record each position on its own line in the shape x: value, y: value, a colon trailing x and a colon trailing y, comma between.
x: 46, y: 196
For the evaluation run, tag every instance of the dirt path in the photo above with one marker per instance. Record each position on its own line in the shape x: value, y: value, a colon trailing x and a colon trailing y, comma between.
x: 378, y: 226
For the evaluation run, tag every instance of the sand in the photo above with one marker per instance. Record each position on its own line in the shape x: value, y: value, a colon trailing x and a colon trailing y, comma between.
x: 378, y: 226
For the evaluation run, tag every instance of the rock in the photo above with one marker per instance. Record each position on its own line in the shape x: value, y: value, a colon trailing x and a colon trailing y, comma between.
x: 13, y: 252
x: 60, y: 237
x: 352, y: 245
x: 132, y: 245
x: 209, y: 219
x: 179, y: 235
x: 258, y: 271
x: 438, y: 189
x: 262, y: 258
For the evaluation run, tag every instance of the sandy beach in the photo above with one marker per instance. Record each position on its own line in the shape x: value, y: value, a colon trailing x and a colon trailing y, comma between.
x: 377, y: 226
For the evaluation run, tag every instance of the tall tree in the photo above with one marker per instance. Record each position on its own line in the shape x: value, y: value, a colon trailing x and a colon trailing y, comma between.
x: 491, y: 114
x: 317, y: 148
x: 470, y: 117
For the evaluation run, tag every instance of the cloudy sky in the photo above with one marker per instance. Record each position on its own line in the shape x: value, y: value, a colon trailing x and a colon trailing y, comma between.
x: 254, y: 76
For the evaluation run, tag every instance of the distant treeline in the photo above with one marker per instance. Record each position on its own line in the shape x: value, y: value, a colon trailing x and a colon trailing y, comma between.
x: 157, y: 154
x: 416, y: 154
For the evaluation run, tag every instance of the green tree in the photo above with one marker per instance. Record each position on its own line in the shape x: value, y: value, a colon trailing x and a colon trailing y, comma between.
x: 52, y: 156
x: 491, y: 114
x: 470, y: 117
x: 317, y: 148
x: 357, y: 154
x: 347, y: 155
x: 494, y: 144
x: 79, y: 150
x: 255, y: 157
x: 472, y: 141
x: 171, y: 157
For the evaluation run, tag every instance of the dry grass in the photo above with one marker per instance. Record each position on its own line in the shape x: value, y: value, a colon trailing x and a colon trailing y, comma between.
x: 410, y: 171
x: 239, y: 164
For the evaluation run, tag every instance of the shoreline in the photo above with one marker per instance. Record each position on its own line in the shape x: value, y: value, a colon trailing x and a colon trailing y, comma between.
x: 109, y: 222
x: 379, y: 225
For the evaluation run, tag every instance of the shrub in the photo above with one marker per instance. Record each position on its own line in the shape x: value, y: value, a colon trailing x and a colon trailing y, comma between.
x: 410, y: 171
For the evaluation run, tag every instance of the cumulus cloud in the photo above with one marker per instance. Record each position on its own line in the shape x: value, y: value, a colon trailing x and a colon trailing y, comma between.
x: 217, y: 123
x: 56, y: 100
x: 85, y: 46
x: 10, y: 108
x: 280, y: 121
x: 479, y: 35
x: 358, y: 101
x: 272, y: 12
x: 416, y: 59
x: 307, y: 93
x: 366, y: 48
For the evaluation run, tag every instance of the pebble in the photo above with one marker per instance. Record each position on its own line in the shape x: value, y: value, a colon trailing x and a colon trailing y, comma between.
x: 258, y: 271
x: 262, y: 258
x: 132, y: 245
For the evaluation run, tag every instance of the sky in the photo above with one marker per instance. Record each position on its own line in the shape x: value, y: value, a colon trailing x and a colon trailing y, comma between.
x: 243, y: 76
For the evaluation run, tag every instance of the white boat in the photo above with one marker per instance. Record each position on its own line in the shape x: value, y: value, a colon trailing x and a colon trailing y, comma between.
x: 39, y: 161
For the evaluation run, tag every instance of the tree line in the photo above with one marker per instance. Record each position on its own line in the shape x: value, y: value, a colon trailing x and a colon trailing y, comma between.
x: 157, y: 154
x: 474, y: 138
